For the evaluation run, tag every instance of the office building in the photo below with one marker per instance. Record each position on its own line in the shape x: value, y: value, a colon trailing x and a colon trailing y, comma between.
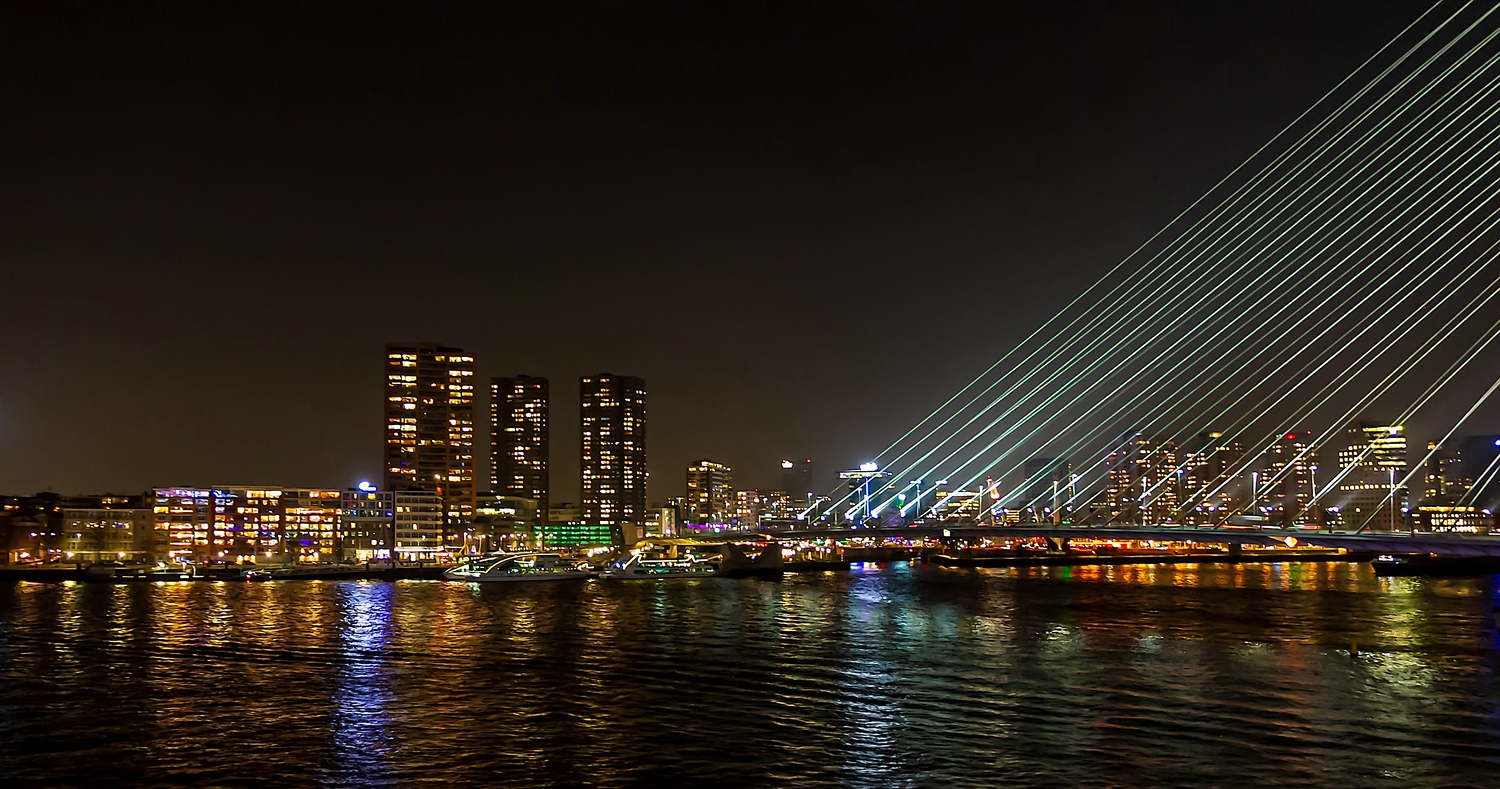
x: 1373, y: 466
x: 519, y: 440
x: 613, y: 422
x: 710, y: 492
x: 429, y: 421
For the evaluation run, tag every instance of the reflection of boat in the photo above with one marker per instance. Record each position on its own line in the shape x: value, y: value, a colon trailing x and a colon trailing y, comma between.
x: 1428, y: 564
x: 767, y: 564
x: 116, y: 572
x: 517, y: 567
x: 312, y: 572
x: 639, y: 566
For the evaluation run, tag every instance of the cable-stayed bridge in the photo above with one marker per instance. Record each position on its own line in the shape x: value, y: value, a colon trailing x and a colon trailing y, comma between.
x: 1265, y: 354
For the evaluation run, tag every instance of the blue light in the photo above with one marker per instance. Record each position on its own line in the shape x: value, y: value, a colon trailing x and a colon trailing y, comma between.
x: 365, y: 486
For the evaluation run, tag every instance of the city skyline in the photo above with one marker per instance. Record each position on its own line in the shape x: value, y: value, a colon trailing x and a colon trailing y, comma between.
x: 140, y: 382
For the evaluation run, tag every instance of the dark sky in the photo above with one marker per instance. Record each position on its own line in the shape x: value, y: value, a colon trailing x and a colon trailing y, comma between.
x: 803, y: 224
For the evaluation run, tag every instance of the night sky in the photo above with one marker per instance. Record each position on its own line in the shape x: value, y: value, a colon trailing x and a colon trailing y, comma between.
x: 803, y: 224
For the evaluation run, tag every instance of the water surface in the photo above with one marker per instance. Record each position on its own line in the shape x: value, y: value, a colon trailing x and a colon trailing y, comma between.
x: 1305, y: 675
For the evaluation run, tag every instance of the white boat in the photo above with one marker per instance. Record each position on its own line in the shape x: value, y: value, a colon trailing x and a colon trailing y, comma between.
x: 512, y: 567
x: 639, y: 567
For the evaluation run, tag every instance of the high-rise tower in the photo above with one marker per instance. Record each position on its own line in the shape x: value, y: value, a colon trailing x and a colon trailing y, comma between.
x: 429, y: 423
x: 613, y: 414
x: 518, y: 439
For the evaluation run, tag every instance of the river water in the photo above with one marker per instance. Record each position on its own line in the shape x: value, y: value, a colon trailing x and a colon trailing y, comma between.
x: 1295, y: 674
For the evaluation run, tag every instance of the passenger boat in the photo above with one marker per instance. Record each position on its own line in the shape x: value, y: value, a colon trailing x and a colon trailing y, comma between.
x: 640, y: 567
x: 514, y: 567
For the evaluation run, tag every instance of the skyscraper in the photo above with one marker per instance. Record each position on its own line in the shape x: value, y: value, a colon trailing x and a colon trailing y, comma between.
x: 796, y: 480
x: 613, y: 414
x: 710, y: 492
x: 1289, y: 480
x: 518, y: 439
x: 429, y: 423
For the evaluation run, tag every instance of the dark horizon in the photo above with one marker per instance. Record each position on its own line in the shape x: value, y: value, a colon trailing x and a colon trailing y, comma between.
x: 802, y: 227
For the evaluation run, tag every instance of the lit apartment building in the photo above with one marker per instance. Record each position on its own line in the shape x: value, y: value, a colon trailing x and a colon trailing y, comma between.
x: 710, y: 492
x: 429, y: 421
x: 519, y: 440
x: 310, y: 523
x: 419, y: 524
x: 108, y: 528
x: 613, y: 417
x: 1144, y: 482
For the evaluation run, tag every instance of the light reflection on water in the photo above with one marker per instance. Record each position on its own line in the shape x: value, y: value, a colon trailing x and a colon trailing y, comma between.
x: 896, y: 675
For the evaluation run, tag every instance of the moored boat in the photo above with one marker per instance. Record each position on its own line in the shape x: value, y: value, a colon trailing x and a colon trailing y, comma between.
x: 515, y: 567
x: 640, y: 567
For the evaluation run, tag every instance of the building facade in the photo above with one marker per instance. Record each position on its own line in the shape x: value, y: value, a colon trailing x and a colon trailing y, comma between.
x: 429, y: 423
x: 1373, y: 466
x: 710, y: 492
x: 519, y: 442
x: 613, y: 421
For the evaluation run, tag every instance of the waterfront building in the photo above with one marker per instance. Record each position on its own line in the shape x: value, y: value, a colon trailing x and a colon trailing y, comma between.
x: 661, y: 522
x: 565, y: 512
x: 1370, y: 494
x: 419, y: 524
x: 613, y: 421
x: 502, y: 521
x: 367, y: 524
x: 1290, y: 481
x: 582, y: 535
x: 519, y: 443
x: 310, y: 523
x: 1454, y: 519
x: 247, y: 523
x: 429, y: 421
x: 185, y: 516
x: 749, y: 505
x: 108, y: 528
x: 710, y: 492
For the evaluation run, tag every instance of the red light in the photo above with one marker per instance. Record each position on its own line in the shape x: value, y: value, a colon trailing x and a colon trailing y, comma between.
x: 1291, y: 436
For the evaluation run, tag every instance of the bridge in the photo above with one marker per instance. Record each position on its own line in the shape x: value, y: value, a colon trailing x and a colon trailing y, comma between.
x: 1367, y: 541
x: 1279, y: 351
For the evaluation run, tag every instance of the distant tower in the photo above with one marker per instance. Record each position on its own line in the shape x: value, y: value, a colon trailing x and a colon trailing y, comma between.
x: 613, y: 415
x: 518, y: 439
x: 429, y: 423
x: 796, y: 480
